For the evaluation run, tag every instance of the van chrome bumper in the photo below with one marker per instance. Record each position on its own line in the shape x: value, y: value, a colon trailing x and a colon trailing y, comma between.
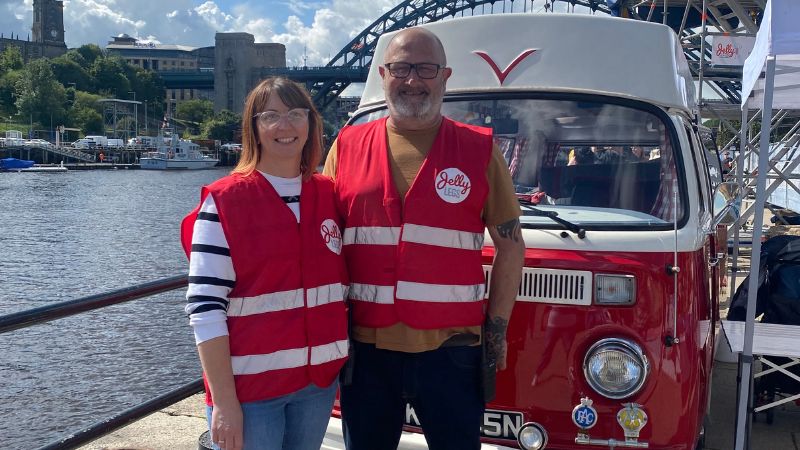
x: 610, y: 443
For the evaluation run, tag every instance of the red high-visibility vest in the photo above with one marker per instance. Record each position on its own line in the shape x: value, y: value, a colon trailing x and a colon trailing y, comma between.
x: 419, y: 264
x: 286, y: 315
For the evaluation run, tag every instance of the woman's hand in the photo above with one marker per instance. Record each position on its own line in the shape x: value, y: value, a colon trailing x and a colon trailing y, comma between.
x: 227, y: 425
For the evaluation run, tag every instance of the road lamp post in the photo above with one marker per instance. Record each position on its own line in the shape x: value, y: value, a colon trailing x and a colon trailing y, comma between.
x: 136, y: 114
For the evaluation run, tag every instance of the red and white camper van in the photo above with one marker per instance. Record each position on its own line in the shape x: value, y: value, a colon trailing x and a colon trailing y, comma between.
x: 612, y: 334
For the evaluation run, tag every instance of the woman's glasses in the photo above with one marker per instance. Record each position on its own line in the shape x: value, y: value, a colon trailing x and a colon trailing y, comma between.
x: 295, y: 116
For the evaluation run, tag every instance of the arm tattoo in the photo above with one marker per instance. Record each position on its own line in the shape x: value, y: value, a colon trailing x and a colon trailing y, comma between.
x: 495, y: 335
x: 509, y: 230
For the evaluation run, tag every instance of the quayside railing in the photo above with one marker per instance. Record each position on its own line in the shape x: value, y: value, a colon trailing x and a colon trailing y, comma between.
x: 25, y: 319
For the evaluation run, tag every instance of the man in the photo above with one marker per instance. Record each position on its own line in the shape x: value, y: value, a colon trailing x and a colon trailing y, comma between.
x: 417, y: 191
x: 727, y: 162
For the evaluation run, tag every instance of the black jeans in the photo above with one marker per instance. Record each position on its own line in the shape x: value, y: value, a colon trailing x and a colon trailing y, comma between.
x: 442, y: 385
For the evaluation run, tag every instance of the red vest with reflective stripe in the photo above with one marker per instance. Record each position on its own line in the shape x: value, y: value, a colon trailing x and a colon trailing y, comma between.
x: 417, y: 262
x: 286, y: 315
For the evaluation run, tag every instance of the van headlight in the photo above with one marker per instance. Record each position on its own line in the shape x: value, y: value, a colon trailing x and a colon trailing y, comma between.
x: 616, y: 368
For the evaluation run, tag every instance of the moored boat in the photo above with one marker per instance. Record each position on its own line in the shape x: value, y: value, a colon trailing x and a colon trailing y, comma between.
x: 173, y: 153
x: 15, y: 164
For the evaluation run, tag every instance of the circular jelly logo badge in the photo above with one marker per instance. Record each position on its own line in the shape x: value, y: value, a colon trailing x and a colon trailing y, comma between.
x: 452, y: 185
x: 331, y: 235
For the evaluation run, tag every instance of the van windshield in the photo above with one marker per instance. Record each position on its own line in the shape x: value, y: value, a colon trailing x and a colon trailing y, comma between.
x: 596, y: 164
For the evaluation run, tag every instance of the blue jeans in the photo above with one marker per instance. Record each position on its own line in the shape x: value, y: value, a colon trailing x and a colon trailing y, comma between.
x: 295, y: 421
x: 442, y: 385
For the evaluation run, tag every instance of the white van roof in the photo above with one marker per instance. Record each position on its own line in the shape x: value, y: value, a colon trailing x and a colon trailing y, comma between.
x: 571, y: 53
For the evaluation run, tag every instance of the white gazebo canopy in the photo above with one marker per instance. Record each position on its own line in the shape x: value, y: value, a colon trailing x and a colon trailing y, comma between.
x: 778, y: 36
x: 777, y: 47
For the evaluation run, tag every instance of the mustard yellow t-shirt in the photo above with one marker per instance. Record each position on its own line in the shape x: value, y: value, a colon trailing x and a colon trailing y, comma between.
x: 407, y: 152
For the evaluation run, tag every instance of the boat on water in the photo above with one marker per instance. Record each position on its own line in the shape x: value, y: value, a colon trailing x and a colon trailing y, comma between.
x: 23, y: 165
x: 15, y: 164
x: 173, y: 153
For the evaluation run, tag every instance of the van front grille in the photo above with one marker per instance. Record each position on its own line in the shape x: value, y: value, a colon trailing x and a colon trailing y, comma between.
x: 565, y: 287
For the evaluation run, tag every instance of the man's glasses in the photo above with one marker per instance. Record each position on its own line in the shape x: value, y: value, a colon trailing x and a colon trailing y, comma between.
x: 425, y: 71
x: 295, y: 116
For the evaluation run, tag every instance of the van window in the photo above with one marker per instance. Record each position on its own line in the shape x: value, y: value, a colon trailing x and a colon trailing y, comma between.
x: 594, y: 163
x: 700, y: 169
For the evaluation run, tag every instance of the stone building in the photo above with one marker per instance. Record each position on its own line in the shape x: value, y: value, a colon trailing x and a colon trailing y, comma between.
x: 165, y: 58
x: 238, y: 61
x: 47, y: 32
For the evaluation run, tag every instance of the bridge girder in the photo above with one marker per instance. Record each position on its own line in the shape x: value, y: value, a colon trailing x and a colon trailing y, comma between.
x: 360, y: 50
x: 351, y: 63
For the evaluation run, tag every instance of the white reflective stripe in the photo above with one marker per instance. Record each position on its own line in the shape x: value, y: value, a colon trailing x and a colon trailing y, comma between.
x: 282, y: 359
x: 275, y: 301
x: 408, y: 290
x: 321, y: 354
x: 323, y: 295
x: 371, y: 293
x: 442, y: 237
x: 371, y: 235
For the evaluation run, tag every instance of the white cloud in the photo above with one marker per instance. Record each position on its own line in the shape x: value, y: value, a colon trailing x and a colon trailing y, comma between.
x: 316, y: 28
x: 332, y: 28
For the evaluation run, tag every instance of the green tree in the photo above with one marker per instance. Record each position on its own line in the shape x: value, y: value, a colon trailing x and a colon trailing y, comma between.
x: 84, y: 111
x: 8, y: 83
x: 88, y: 120
x: 68, y: 71
x: 222, y: 126
x: 109, y: 76
x: 195, y: 112
x: 90, y: 53
x: 10, y: 59
x: 38, y: 94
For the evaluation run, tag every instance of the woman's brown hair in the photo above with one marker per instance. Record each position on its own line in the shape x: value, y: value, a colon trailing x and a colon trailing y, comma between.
x: 293, y: 96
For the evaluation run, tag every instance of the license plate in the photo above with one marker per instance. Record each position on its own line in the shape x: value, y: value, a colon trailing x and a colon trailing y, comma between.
x: 497, y: 424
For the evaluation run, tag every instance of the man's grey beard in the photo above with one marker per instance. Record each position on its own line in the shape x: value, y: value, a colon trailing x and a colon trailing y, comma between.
x: 408, y: 110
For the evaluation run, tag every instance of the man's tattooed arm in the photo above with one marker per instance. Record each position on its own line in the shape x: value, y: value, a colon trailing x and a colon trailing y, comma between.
x: 510, y: 230
x: 495, y: 335
x: 506, y: 273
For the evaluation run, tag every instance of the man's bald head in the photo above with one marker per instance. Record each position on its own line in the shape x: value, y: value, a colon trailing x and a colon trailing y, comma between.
x: 413, y: 40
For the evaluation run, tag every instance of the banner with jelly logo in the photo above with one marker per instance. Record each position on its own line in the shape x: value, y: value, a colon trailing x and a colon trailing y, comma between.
x: 731, y: 50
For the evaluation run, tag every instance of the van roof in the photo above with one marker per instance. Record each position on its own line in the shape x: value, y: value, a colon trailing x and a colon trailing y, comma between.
x: 571, y: 53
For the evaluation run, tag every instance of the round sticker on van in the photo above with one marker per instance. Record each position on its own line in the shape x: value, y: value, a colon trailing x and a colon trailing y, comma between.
x: 331, y: 235
x: 452, y: 185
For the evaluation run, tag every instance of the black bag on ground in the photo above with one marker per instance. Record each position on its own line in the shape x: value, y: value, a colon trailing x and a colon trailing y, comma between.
x: 778, y: 299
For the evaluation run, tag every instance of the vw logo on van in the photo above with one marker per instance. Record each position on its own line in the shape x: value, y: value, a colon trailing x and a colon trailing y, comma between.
x: 502, y: 74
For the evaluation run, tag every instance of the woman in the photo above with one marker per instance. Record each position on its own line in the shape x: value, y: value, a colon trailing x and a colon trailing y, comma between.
x: 266, y: 281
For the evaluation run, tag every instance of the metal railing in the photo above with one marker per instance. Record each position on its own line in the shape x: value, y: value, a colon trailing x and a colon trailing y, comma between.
x: 24, y: 319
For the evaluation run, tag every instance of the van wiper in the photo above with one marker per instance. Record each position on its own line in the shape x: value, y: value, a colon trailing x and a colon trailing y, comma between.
x: 552, y: 215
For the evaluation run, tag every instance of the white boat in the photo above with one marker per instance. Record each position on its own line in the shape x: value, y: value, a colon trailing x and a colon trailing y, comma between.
x: 173, y: 153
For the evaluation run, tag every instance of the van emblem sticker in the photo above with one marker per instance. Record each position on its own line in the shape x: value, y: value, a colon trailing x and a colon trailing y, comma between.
x: 452, y: 185
x: 632, y: 419
x: 584, y: 415
x: 331, y: 235
x: 502, y: 74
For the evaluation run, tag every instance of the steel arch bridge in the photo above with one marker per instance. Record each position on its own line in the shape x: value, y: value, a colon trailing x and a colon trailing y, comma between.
x: 356, y: 55
x: 351, y: 63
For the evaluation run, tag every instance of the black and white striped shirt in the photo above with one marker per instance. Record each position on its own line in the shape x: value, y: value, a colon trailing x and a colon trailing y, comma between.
x: 211, y: 274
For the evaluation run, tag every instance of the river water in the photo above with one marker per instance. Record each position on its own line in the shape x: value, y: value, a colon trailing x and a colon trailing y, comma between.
x: 68, y: 235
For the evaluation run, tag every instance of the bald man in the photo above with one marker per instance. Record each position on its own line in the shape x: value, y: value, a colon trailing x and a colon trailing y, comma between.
x: 417, y: 191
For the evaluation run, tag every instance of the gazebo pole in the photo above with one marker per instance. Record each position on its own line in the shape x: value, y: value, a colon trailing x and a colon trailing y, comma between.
x: 743, y: 411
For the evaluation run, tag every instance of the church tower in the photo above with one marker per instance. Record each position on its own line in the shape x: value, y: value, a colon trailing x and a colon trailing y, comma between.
x: 48, y: 22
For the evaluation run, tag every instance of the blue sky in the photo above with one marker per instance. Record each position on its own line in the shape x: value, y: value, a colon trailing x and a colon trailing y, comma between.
x: 320, y: 28
x: 317, y: 29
